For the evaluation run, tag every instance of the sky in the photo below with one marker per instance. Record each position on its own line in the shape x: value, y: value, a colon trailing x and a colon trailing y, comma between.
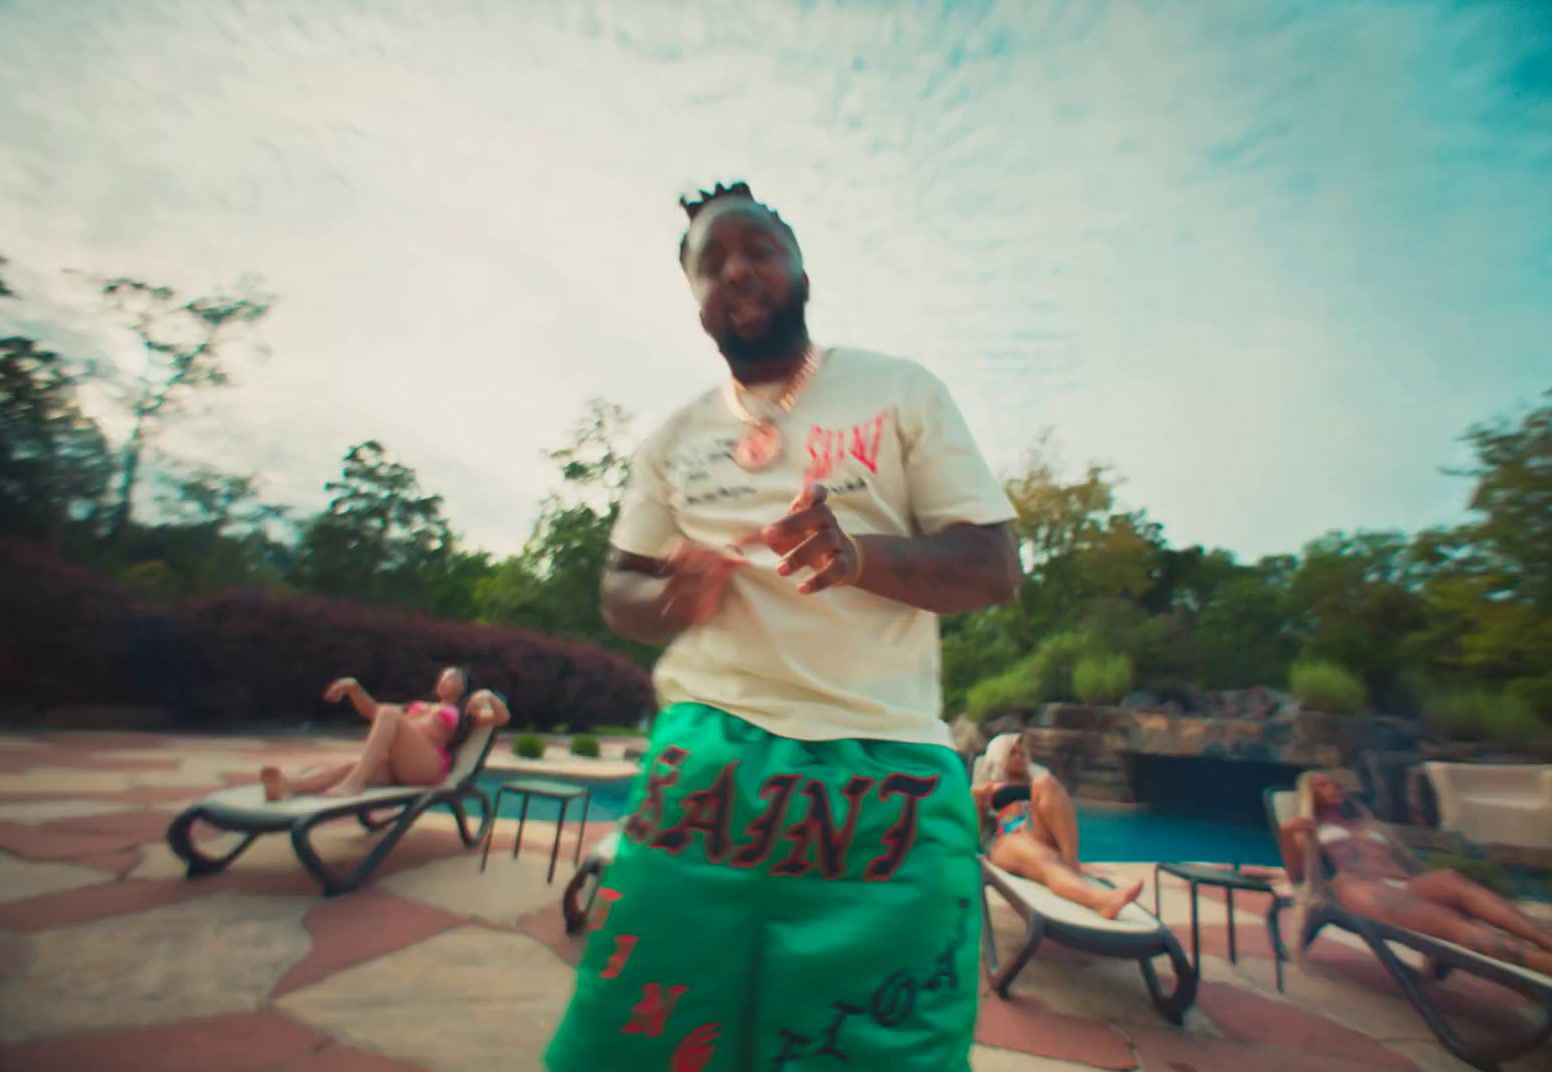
x: 1268, y: 260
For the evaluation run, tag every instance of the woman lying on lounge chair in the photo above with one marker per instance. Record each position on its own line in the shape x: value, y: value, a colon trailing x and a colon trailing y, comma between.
x: 1373, y: 874
x: 1034, y: 827
x: 411, y: 744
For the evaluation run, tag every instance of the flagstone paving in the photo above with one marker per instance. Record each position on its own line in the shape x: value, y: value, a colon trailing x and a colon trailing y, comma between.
x: 111, y: 959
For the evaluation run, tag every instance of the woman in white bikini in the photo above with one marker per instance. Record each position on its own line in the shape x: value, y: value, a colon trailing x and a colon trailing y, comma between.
x: 1034, y: 827
x: 1372, y: 876
x: 409, y: 744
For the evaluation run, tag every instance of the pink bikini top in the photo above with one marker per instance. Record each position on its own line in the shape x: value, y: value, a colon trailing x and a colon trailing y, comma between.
x: 446, y: 712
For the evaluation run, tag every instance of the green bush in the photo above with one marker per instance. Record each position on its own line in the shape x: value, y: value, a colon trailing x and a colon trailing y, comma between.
x: 1535, y: 693
x: 1054, y: 662
x: 1480, y: 715
x: 1511, y: 722
x: 1325, y: 686
x: 528, y: 746
x: 585, y: 745
x: 1009, y: 690
x: 1102, y: 679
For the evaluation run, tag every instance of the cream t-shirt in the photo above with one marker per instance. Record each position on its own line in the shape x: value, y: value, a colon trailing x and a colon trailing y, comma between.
x: 897, y: 459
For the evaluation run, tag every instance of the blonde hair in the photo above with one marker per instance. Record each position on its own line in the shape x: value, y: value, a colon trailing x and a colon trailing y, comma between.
x: 1306, y: 788
x: 994, y: 763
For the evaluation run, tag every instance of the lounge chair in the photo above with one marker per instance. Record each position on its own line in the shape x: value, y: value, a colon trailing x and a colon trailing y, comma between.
x: 1441, y: 957
x: 243, y: 810
x: 580, y: 893
x: 1135, y: 934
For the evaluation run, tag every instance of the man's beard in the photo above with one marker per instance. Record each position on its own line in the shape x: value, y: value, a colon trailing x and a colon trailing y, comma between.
x: 787, y: 329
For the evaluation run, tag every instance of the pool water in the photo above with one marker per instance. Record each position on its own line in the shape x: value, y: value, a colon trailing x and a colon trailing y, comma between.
x: 1103, y: 834
x: 1144, y: 837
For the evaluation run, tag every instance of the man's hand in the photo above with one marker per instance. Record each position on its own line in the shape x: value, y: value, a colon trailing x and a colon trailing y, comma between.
x: 810, y: 537
x: 697, y: 580
x: 650, y: 600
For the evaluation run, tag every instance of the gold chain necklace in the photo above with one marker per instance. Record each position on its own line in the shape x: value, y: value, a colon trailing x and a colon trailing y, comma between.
x: 761, y: 445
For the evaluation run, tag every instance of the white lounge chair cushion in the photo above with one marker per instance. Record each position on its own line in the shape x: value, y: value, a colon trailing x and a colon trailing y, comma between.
x: 1134, y: 919
x: 607, y: 846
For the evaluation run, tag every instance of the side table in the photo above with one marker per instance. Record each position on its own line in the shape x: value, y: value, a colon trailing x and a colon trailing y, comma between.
x: 1227, y: 879
x: 528, y: 788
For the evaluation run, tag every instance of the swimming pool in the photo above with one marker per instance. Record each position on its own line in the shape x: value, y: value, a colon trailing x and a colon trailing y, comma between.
x: 1104, y: 834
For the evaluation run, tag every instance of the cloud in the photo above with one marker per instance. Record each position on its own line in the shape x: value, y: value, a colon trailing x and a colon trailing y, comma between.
x: 1270, y: 263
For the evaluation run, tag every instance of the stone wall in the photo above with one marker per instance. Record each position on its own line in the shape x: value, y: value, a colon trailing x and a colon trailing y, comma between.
x: 1090, y: 748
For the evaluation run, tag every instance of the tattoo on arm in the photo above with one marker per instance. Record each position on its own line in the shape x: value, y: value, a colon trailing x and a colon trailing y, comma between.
x: 962, y: 568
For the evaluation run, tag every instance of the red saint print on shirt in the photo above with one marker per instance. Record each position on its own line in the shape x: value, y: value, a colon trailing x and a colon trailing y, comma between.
x: 828, y: 447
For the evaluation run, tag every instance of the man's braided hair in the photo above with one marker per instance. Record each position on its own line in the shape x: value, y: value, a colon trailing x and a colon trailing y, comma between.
x: 737, y: 191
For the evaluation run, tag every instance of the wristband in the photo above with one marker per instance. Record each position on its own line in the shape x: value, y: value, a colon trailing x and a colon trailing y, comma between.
x: 856, y: 546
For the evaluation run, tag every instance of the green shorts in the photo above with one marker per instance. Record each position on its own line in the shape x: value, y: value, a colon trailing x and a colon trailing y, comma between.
x: 782, y: 905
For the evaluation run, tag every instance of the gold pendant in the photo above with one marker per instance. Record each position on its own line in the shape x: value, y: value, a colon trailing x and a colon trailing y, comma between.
x: 759, y: 449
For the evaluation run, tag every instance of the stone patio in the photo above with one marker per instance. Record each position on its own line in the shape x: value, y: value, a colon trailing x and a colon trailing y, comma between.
x: 110, y: 959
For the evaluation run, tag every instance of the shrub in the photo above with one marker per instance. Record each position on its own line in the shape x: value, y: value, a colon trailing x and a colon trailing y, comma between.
x: 1102, y: 679
x: 1509, y: 722
x: 1051, y: 667
x: 1535, y: 693
x: 1013, y: 688
x: 68, y: 635
x: 528, y: 746
x: 1325, y: 686
x: 1462, y: 713
x: 585, y: 745
x: 268, y: 656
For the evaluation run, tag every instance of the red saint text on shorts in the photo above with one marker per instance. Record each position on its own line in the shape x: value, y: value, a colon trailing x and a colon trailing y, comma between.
x: 902, y: 835
x: 653, y: 1010
x: 760, y: 834
x: 640, y: 825
x: 624, y: 944
x: 607, y: 897
x: 696, y: 1049
x: 817, y: 829
x: 709, y: 811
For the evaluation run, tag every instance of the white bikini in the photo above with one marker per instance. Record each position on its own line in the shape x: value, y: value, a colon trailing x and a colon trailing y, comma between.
x: 1331, y: 833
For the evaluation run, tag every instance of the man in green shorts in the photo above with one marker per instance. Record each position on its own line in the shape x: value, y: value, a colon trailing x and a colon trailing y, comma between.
x: 796, y: 885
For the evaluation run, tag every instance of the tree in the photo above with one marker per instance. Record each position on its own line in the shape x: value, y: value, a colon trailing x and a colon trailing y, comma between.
x: 1355, y: 600
x: 54, y: 461
x: 187, y: 345
x: 380, y: 539
x: 1075, y: 546
x: 1244, y: 632
x: 552, y: 586
x: 217, y: 534
x: 1488, y: 583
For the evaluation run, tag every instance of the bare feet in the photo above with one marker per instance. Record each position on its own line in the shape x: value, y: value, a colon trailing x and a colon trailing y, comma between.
x: 1111, y: 907
x: 274, y: 783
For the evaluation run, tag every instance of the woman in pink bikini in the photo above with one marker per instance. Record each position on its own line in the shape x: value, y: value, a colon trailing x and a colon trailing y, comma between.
x: 409, y: 744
